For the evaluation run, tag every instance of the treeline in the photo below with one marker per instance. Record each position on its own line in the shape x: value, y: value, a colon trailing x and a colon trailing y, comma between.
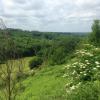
x: 95, y: 35
x: 51, y: 47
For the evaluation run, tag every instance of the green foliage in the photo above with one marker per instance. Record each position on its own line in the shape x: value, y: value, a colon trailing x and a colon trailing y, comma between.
x: 84, y: 73
x: 59, y: 50
x: 54, y: 48
x: 35, y: 62
x: 88, y: 66
x: 88, y: 91
x: 95, y: 36
x: 58, y: 56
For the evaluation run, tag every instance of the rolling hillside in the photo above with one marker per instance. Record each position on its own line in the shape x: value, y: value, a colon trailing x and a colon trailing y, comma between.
x: 51, y: 82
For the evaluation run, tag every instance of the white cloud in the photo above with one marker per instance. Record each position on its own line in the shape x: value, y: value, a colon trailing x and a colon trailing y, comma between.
x: 50, y: 15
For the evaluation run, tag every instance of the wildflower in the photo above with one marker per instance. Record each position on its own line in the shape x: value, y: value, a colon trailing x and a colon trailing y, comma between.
x: 65, y: 67
x: 72, y: 88
x: 74, y: 66
x: 84, y: 74
x: 67, y: 85
x: 89, y: 54
x: 96, y: 48
x: 73, y: 72
x: 97, y: 63
x: 83, y: 67
x: 89, y: 71
x: 79, y: 83
x: 86, y: 61
x: 65, y: 75
x: 75, y: 63
x: 81, y: 64
x: 81, y: 72
x: 94, y: 68
x: 97, y: 66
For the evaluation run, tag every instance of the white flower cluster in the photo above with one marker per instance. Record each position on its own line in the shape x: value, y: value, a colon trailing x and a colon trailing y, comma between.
x: 82, y: 68
x: 85, y: 66
x: 97, y: 64
x: 96, y: 49
x: 65, y: 75
x: 84, y: 52
x: 66, y: 67
x: 70, y: 87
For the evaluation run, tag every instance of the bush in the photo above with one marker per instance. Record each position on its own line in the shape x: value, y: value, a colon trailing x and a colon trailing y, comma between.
x: 95, y: 36
x: 87, y: 65
x: 21, y: 75
x: 35, y: 62
x: 59, y: 51
x: 88, y: 91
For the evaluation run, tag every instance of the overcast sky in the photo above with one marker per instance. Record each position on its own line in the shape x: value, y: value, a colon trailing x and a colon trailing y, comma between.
x: 50, y: 15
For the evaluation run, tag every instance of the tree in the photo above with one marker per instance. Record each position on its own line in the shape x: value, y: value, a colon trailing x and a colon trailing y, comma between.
x: 9, y: 68
x: 95, y: 36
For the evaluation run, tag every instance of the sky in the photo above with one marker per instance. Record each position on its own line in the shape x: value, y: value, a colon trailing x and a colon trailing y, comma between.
x: 50, y: 15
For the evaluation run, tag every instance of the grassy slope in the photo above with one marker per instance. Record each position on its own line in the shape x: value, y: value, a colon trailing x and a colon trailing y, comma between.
x: 46, y: 84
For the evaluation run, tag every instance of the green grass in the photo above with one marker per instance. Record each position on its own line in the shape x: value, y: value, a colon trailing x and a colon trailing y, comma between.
x: 46, y: 84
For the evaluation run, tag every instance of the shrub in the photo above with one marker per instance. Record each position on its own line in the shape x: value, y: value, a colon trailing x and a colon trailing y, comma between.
x: 95, y: 36
x: 88, y: 91
x: 21, y: 75
x: 35, y: 62
x: 61, y: 50
x: 87, y: 67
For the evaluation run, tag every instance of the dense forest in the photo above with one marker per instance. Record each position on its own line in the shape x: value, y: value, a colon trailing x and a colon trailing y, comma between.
x: 47, y: 45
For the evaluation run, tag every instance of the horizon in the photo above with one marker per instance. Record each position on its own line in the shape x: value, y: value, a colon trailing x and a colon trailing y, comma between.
x: 44, y: 31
